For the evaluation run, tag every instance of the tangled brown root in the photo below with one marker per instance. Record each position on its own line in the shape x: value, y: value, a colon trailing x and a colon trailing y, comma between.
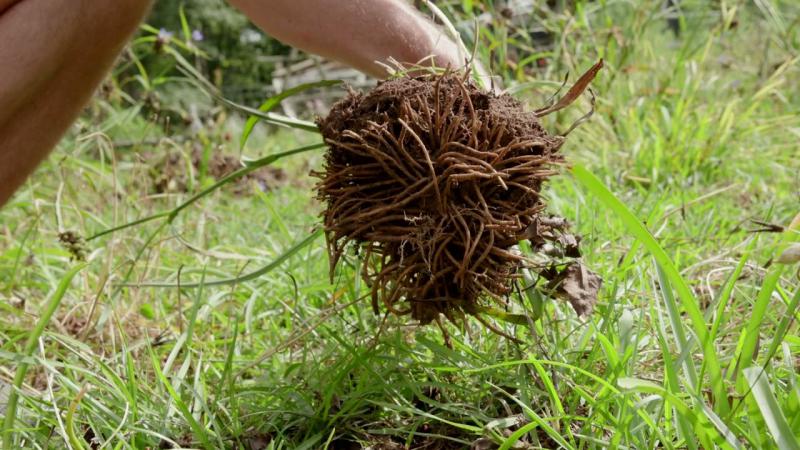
x: 436, y: 181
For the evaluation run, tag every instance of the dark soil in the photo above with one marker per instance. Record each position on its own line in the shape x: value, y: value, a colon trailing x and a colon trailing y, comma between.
x: 436, y: 181
x: 171, y: 174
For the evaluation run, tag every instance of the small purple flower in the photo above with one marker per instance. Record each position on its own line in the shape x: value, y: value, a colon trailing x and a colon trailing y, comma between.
x: 164, y: 35
x: 197, y: 36
x: 162, y: 39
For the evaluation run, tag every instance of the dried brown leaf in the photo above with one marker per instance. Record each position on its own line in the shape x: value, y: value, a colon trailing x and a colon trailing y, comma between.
x: 790, y: 256
x: 579, y: 286
x: 574, y: 92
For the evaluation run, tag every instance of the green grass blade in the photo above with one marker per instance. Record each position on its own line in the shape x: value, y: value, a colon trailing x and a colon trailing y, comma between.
x: 746, y: 350
x: 248, y: 277
x: 673, y: 311
x: 671, y: 377
x: 537, y: 422
x: 275, y: 119
x: 198, y: 80
x: 250, y: 166
x: 783, y: 326
x: 275, y: 101
x: 129, y: 225
x: 30, y: 346
x: 776, y: 422
x: 707, y: 427
x: 187, y: 32
x: 18, y: 257
x: 69, y: 421
x: 725, y: 293
x: 555, y: 399
x: 199, y: 431
x: 688, y: 300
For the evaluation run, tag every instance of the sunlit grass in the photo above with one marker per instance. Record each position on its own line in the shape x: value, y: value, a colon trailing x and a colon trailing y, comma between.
x: 694, y: 342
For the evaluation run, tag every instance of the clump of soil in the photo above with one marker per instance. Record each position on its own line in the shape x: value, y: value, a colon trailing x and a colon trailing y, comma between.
x: 173, y: 172
x: 436, y: 181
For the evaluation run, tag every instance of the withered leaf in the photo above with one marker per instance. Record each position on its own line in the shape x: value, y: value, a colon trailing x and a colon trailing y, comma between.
x: 571, y: 245
x: 790, y: 256
x: 574, y: 92
x: 577, y: 285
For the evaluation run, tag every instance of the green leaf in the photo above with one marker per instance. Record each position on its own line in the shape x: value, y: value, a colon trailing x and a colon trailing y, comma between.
x: 147, y: 311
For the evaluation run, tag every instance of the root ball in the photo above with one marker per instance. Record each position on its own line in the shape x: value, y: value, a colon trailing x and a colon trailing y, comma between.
x: 435, y: 180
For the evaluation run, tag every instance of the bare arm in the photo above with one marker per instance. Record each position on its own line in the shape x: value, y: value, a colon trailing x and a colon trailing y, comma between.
x: 53, y: 54
x: 356, y: 32
x: 5, y: 4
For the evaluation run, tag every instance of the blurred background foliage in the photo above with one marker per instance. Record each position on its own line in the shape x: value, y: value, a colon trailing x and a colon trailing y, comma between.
x: 237, y: 56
